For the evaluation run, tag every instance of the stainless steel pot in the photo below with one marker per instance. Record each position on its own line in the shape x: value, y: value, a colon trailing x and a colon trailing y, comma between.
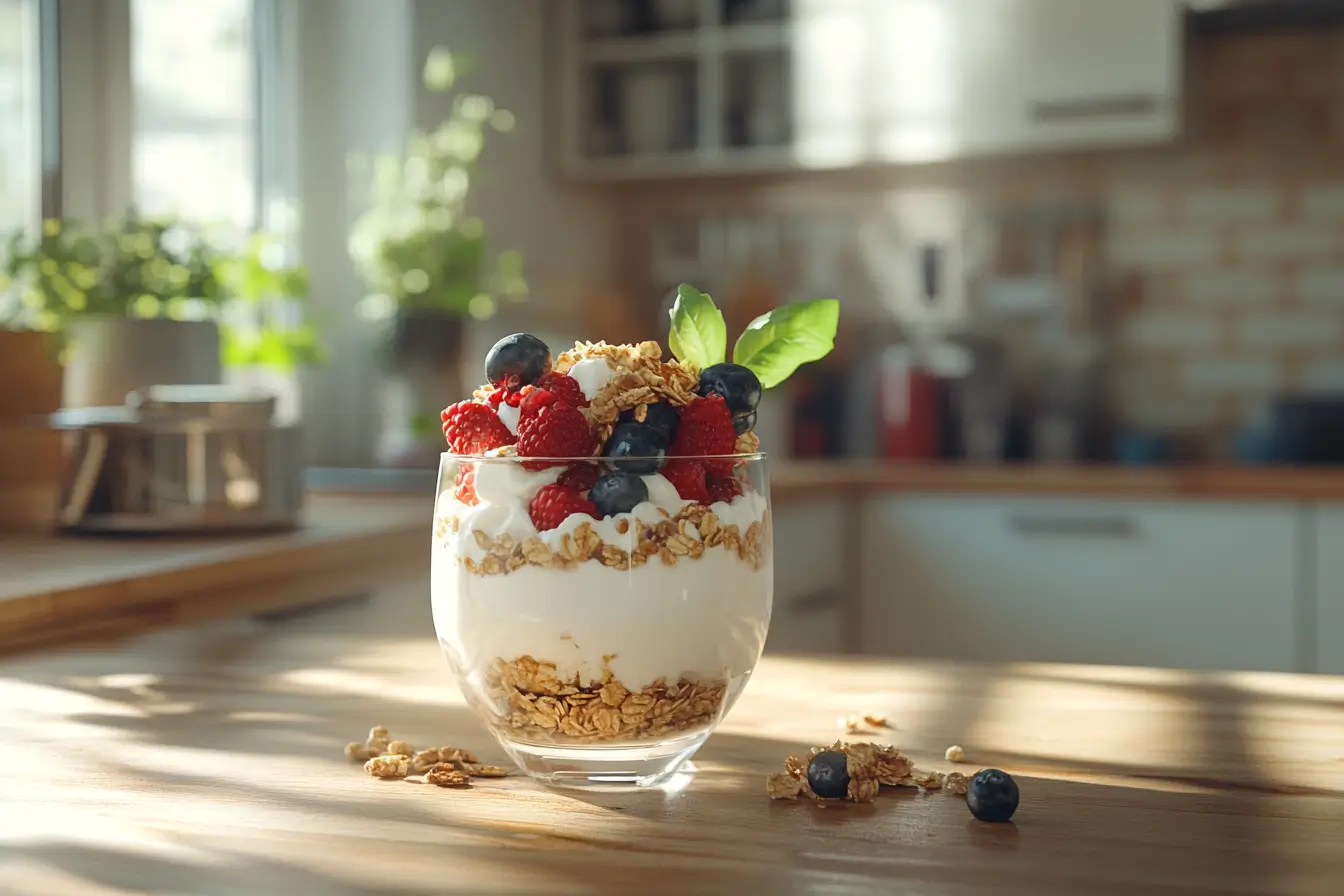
x: 177, y: 459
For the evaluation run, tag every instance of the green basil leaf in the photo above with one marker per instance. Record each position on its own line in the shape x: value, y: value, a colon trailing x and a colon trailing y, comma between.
x: 775, y: 344
x: 698, y: 333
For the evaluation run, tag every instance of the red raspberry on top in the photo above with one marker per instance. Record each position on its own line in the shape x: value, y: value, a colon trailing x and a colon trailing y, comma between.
x: 565, y: 387
x: 579, y: 477
x: 466, y: 485
x: 473, y: 428
x: 495, y: 398
x: 557, y: 430
x: 724, y: 489
x: 553, y: 504
x: 706, y: 429
x: 535, y: 400
x: 689, y: 479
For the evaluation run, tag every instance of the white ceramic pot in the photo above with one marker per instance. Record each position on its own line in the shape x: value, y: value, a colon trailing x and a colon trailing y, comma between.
x: 111, y: 356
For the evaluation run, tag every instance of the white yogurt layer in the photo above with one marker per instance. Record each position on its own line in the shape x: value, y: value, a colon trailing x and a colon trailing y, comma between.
x: 705, y: 616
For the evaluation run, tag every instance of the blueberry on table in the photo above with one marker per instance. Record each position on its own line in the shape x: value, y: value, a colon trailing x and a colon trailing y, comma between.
x: 828, y: 775
x: 618, y: 492
x: 661, y: 416
x: 992, y: 795
x: 637, y: 440
x: 744, y: 423
x: 516, y: 361
x: 737, y: 385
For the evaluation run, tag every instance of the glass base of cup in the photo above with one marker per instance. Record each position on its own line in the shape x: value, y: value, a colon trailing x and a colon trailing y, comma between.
x: 597, y: 767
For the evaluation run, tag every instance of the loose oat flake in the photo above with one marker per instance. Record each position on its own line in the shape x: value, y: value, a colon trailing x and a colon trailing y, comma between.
x: 446, y: 775
x: 388, y: 766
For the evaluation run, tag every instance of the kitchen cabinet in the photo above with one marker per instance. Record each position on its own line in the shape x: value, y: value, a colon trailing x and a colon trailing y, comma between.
x: 1325, y: 558
x: 812, y: 591
x: 816, y: 84
x: 1184, y: 585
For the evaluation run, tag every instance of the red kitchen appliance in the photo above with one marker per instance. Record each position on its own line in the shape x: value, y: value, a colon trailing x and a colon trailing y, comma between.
x: 911, y: 401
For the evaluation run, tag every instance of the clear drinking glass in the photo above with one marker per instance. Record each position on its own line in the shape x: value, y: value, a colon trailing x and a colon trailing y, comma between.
x: 600, y: 651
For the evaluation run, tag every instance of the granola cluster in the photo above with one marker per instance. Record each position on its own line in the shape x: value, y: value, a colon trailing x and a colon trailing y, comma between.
x: 687, y: 534
x: 870, y: 767
x: 541, y: 706
x: 396, y: 759
x: 641, y: 378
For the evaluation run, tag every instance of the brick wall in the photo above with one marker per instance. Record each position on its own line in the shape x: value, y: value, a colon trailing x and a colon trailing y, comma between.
x: 1231, y: 244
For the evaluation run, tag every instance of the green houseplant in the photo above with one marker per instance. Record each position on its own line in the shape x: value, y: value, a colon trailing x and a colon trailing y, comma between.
x: 424, y: 258
x: 154, y: 299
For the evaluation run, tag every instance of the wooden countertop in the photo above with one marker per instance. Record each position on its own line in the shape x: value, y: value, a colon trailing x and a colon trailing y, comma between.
x: 208, y: 760
x: 791, y: 481
x: 55, y: 590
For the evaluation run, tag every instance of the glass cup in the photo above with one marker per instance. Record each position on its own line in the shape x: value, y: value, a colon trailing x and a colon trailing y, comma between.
x: 601, y: 651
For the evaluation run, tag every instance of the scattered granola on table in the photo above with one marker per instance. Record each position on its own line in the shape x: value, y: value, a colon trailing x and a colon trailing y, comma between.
x: 388, y: 766
x: 868, y: 766
x: 955, y: 754
x: 446, y: 775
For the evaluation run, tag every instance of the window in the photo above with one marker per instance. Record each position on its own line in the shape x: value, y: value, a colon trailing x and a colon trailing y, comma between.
x: 194, y: 140
x: 20, y: 116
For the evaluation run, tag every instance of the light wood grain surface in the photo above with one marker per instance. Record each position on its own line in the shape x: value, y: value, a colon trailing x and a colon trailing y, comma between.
x: 54, y: 589
x: 208, y: 760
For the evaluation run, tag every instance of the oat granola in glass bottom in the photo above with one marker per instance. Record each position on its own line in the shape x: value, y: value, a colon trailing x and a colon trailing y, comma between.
x: 602, y: 575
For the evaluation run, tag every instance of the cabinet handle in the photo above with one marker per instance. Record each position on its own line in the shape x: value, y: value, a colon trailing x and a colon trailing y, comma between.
x: 1073, y: 526
x: 1093, y: 107
x: 816, y: 601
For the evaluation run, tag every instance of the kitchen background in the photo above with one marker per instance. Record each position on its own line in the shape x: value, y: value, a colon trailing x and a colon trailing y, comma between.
x: 1068, y: 237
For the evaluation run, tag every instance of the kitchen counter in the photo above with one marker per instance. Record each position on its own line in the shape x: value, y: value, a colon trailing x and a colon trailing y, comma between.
x: 63, y: 589
x: 208, y: 760
x: 791, y: 481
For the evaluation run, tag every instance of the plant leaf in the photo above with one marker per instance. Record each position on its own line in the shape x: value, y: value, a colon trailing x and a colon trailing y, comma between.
x: 698, y: 333
x: 775, y: 344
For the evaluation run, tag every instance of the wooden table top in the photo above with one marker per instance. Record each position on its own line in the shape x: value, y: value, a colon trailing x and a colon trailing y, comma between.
x: 63, y: 589
x: 208, y: 760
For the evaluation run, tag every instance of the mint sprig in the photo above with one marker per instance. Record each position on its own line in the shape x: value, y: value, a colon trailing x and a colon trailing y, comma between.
x: 698, y: 333
x: 773, y: 345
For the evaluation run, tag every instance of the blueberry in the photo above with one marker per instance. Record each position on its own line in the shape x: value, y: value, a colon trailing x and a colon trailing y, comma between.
x: 992, y: 795
x: 828, y: 775
x: 516, y: 361
x: 738, y: 386
x: 618, y: 492
x: 744, y: 423
x: 637, y: 440
x: 661, y: 416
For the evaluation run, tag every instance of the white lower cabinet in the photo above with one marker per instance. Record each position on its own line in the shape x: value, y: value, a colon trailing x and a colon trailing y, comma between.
x: 1326, y: 558
x: 1189, y: 585
x: 811, y: 595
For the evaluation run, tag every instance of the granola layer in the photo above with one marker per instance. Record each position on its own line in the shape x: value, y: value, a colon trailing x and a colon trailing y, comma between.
x: 539, y: 706
x: 685, y: 535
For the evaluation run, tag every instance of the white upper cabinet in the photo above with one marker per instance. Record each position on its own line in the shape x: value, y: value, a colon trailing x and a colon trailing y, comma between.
x: 839, y: 83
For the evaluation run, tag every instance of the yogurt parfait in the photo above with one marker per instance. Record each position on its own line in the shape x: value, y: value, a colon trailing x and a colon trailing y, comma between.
x: 601, y: 572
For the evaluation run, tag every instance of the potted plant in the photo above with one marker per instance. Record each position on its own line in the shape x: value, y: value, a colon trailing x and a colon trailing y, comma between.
x: 425, y: 261
x: 142, y: 301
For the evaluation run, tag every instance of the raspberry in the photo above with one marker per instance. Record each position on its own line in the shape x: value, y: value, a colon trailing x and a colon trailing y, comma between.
x: 466, y: 485
x: 495, y: 398
x: 535, y: 400
x: 724, y: 489
x: 554, y: 503
x: 579, y: 477
x: 689, y: 479
x: 515, y: 398
x: 706, y: 429
x: 565, y: 387
x: 473, y: 428
x: 556, y: 431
